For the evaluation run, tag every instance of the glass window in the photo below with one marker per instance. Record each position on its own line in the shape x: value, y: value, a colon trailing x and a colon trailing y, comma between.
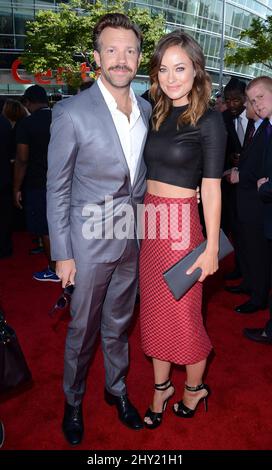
x: 216, y: 27
x: 6, y: 60
x: 20, y: 18
x: 237, y: 18
x: 190, y: 6
x: 44, y: 3
x: 217, y: 10
x: 141, y: 1
x: 158, y: 3
x: 6, y: 42
x: 155, y: 11
x: 173, y: 3
x: 5, y: 20
x: 186, y: 19
x: 228, y: 13
x: 20, y: 3
x: 20, y: 42
x: 203, y: 10
x: 171, y: 16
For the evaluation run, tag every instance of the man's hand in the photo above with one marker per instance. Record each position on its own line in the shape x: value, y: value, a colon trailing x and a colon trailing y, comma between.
x: 226, y: 175
x: 66, y: 271
x: 234, y: 176
x: 231, y: 175
x: 261, y: 181
x: 17, y: 197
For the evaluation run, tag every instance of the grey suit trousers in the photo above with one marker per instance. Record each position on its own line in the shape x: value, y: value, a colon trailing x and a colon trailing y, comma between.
x: 103, y: 299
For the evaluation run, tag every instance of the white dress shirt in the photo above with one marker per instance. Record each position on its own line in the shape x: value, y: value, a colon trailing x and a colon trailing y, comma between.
x: 131, y: 132
x: 257, y: 124
x: 244, y: 121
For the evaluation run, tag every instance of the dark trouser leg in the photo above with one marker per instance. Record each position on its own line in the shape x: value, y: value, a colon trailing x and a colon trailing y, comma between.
x: 268, y: 326
x: 256, y: 252
x: 244, y: 259
x: 6, y: 211
x: 116, y: 318
x: 229, y: 220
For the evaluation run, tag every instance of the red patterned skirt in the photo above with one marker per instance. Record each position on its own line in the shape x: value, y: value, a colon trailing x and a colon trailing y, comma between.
x: 171, y: 330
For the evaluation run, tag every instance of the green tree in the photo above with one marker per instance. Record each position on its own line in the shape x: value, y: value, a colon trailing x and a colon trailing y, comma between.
x: 259, y: 51
x: 63, y: 38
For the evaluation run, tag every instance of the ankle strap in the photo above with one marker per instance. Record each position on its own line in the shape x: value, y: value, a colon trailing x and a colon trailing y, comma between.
x: 195, y: 389
x: 164, y: 385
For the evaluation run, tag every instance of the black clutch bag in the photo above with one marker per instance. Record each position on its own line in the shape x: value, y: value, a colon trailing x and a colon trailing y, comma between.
x: 176, y: 278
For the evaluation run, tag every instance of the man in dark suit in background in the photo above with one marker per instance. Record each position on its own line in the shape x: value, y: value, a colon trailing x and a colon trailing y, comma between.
x: 5, y: 188
x: 253, y: 245
x: 236, y: 124
x: 29, y: 185
x: 259, y: 92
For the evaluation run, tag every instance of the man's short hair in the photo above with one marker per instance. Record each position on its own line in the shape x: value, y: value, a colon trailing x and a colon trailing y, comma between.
x: 35, y: 94
x: 115, y: 20
x: 264, y: 79
x: 235, y: 84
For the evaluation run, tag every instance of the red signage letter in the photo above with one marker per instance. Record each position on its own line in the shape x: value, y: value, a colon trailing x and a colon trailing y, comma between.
x: 40, y: 77
x: 14, y: 72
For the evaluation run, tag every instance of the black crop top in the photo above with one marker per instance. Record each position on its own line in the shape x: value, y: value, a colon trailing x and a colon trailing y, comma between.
x: 183, y: 156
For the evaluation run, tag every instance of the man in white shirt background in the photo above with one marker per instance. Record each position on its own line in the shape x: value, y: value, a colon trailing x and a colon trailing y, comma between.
x: 253, y: 245
x: 259, y: 92
x: 236, y: 124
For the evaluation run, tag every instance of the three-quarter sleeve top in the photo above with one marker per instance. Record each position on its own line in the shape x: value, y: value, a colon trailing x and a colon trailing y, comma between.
x: 182, y: 156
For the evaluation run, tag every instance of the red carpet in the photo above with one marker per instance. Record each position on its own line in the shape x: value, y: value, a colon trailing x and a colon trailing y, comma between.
x: 239, y: 374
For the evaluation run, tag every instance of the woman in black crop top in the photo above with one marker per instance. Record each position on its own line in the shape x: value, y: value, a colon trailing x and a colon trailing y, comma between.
x: 185, y: 146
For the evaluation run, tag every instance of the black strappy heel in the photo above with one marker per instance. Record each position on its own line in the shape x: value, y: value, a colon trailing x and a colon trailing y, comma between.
x: 183, y: 411
x: 156, y: 418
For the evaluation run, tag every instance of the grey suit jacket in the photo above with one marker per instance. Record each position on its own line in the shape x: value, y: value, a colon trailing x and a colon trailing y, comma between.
x: 85, y: 163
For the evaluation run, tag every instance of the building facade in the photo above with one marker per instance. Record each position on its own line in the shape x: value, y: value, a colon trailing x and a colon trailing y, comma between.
x: 203, y: 19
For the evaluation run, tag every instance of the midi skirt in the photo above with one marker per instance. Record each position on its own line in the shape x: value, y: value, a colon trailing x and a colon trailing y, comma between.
x: 171, y: 330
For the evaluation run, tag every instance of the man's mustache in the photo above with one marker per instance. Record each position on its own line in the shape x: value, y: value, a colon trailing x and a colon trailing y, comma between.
x: 121, y: 67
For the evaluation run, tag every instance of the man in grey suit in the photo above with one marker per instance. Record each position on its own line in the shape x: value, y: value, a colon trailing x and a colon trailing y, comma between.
x: 96, y: 174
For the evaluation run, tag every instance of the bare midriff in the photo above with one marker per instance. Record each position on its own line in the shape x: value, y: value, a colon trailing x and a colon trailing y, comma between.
x: 168, y: 190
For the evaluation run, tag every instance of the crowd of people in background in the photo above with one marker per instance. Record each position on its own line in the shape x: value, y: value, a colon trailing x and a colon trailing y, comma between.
x: 246, y: 213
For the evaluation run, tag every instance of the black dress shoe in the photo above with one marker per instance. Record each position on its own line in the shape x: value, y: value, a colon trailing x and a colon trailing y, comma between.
x: 237, y: 290
x: 257, y: 334
x: 72, y: 424
x: 127, y: 413
x: 235, y: 274
x: 249, y: 307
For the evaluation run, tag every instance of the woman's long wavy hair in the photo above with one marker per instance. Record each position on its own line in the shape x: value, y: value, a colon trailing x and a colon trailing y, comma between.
x: 200, y: 94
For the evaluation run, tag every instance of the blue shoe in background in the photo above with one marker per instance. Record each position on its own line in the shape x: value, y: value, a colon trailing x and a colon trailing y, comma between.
x: 47, y: 275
